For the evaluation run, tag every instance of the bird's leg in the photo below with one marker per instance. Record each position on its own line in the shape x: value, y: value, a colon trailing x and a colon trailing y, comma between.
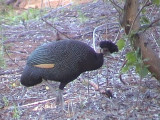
x: 24, y: 91
x: 60, y: 99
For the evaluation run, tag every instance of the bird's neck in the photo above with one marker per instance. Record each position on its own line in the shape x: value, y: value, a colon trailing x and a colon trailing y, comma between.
x: 96, y: 63
x: 99, y: 61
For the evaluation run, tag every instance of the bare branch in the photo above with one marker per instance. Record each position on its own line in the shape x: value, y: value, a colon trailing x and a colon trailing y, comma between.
x: 120, y: 76
x: 145, y: 4
x: 94, y: 39
x: 153, y: 24
x: 10, y: 57
x: 54, y: 28
x: 117, y: 7
x: 5, y: 50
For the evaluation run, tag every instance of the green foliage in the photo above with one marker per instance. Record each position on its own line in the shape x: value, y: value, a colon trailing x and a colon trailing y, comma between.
x: 144, y: 20
x: 134, y: 59
x: 82, y: 17
x: 2, y: 60
x: 144, y: 11
x: 16, y: 113
x: 121, y: 44
x: 13, y: 17
x: 131, y: 57
x: 31, y: 14
x: 6, y: 101
x: 157, y: 2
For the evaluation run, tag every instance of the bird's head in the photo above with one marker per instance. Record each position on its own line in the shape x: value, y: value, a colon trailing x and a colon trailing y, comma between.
x: 108, y: 47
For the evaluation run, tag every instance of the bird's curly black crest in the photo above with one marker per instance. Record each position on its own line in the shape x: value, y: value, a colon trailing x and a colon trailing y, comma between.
x: 110, y: 45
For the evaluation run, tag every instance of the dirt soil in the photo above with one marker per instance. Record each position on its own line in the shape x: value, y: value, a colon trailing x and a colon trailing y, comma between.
x: 133, y: 99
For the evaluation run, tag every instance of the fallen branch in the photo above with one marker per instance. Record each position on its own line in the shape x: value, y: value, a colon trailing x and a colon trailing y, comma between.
x: 58, y: 32
x: 120, y: 76
x: 30, y: 104
x: 11, y: 58
x: 108, y: 93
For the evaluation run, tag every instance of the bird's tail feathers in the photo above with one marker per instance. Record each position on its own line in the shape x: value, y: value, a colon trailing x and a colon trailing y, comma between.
x: 29, y: 77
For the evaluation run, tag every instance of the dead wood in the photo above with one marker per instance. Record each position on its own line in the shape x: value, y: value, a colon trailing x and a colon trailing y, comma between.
x: 107, y: 92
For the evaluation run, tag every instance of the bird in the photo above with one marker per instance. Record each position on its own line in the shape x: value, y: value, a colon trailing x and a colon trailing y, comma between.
x: 63, y: 61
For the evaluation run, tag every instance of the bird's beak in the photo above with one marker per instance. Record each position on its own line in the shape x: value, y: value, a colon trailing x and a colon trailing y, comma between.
x: 105, y: 51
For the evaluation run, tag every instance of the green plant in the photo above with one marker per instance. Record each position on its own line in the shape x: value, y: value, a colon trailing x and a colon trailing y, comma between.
x: 31, y: 14
x: 2, y: 60
x: 133, y: 60
x: 16, y: 112
x: 121, y: 43
x: 82, y: 17
x: 157, y: 2
x: 144, y: 20
x: 5, y: 100
x: 12, y: 17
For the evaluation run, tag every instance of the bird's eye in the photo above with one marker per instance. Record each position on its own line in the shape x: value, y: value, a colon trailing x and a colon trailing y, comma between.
x: 105, y: 50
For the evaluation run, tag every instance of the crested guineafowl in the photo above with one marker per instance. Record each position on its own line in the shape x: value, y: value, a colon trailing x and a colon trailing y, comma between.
x: 63, y: 61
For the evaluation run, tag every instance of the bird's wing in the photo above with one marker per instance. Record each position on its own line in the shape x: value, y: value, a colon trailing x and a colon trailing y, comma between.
x: 44, y: 65
x: 42, y: 57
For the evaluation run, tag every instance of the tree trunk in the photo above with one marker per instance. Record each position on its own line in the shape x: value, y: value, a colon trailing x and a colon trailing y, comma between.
x: 140, y: 41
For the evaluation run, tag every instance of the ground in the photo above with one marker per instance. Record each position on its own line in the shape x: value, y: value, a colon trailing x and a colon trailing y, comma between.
x: 132, y: 99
